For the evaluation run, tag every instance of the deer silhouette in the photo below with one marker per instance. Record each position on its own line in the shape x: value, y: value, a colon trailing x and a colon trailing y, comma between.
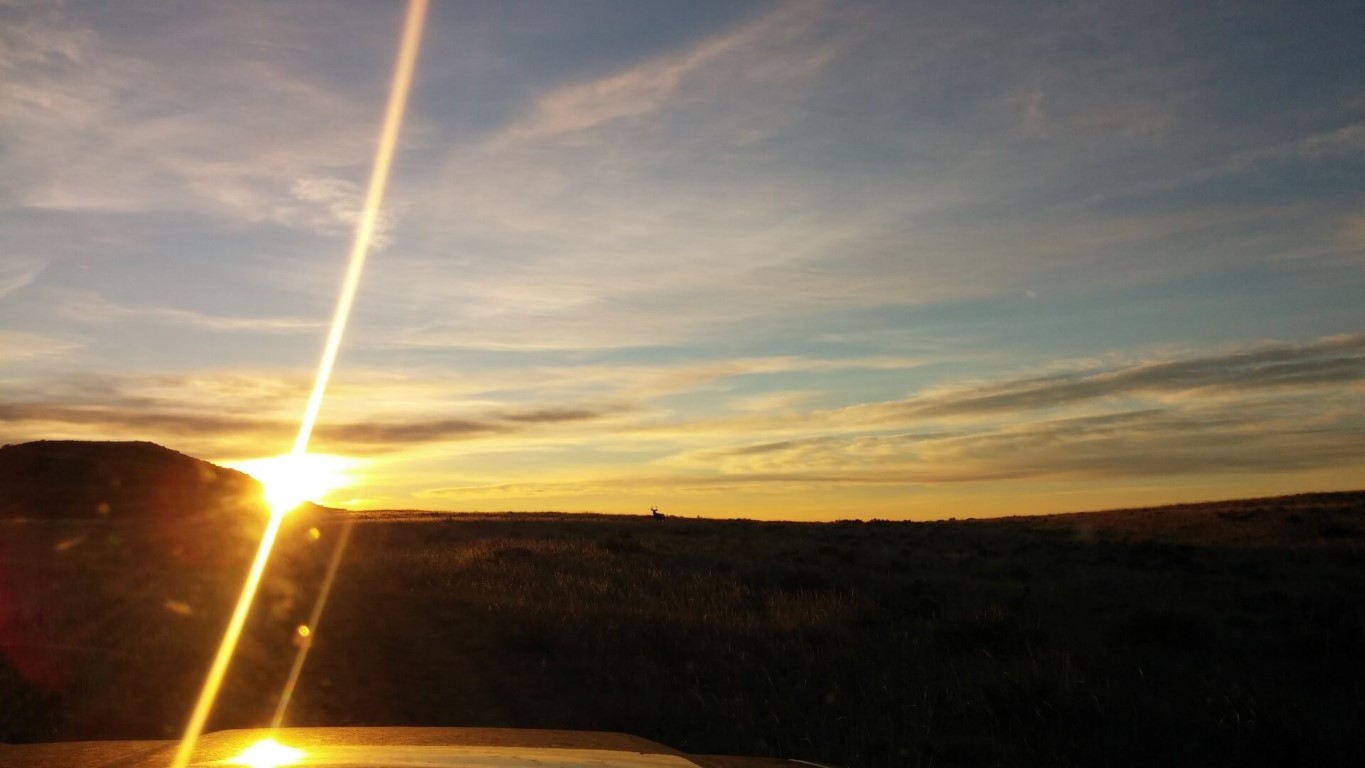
x: 655, y: 513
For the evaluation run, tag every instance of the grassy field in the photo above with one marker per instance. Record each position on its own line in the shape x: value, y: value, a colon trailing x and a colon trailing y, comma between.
x: 1223, y: 634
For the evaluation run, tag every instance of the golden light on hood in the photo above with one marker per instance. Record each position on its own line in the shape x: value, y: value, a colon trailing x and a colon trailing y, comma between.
x: 267, y: 753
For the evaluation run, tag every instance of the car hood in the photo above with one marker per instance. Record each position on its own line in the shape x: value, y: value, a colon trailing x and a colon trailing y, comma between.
x: 382, y: 748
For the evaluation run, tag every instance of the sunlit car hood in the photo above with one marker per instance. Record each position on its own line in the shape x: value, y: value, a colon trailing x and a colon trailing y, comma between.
x: 380, y: 748
x: 465, y: 757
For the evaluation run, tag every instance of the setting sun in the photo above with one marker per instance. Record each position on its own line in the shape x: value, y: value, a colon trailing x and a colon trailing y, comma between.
x: 292, y: 479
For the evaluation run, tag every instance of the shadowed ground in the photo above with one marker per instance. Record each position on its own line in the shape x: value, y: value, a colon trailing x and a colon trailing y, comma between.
x: 1225, y: 634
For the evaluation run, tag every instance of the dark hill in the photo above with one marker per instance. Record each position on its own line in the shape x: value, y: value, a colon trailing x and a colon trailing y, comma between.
x: 73, y: 479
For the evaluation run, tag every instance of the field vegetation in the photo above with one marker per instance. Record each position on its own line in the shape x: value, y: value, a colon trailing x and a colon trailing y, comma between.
x: 1220, y: 634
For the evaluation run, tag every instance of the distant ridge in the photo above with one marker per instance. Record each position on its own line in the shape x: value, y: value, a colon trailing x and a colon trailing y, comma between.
x: 77, y: 479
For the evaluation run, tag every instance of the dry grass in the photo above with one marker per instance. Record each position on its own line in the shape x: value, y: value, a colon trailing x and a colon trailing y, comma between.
x: 1214, y: 635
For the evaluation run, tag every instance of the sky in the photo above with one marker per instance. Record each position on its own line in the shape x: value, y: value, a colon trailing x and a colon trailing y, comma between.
x: 789, y: 260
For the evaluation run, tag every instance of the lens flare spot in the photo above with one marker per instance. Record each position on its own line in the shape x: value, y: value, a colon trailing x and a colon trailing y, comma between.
x: 179, y: 607
x: 292, y: 479
x: 304, y: 631
x: 314, y: 534
x: 267, y: 753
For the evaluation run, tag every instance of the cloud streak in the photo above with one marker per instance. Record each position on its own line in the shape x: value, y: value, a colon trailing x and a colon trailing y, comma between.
x: 1261, y: 410
x: 1335, y: 360
x: 19, y: 346
x: 16, y: 273
x: 92, y: 308
x: 185, y: 121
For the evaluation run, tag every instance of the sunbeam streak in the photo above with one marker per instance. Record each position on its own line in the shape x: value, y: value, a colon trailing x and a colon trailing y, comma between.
x: 374, y: 197
x: 308, y: 632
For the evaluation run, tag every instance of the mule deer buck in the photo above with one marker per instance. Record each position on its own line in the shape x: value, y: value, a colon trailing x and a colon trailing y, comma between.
x: 655, y: 513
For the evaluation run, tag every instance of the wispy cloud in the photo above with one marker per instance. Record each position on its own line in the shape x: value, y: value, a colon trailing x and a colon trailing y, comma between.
x: 1210, y: 438
x: 1346, y: 143
x: 1264, y: 409
x: 16, y: 346
x: 18, y: 272
x: 1237, y: 412
x: 106, y: 420
x: 1337, y: 360
x: 184, y: 121
x: 1223, y: 427
x: 781, y: 47
x: 332, y: 206
x: 92, y: 308
x: 705, y: 190
x: 236, y: 413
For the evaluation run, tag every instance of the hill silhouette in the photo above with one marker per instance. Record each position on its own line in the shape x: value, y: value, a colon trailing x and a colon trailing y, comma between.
x: 76, y: 479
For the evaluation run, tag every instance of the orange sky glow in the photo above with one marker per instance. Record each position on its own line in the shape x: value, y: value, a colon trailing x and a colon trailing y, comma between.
x: 740, y: 259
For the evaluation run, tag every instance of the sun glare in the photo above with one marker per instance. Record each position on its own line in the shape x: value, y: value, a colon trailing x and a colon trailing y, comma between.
x: 292, y: 479
x: 297, y: 476
x: 267, y: 753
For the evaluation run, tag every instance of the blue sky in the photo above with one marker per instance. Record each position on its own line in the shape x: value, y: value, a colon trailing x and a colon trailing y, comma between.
x: 802, y: 259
